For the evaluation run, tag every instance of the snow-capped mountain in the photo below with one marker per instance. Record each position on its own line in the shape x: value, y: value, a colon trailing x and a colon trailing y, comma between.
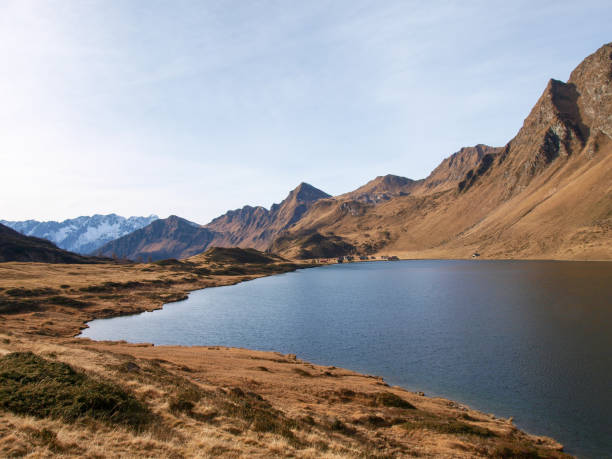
x: 83, y: 235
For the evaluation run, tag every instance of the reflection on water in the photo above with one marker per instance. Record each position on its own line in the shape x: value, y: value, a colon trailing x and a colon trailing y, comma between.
x: 525, y: 339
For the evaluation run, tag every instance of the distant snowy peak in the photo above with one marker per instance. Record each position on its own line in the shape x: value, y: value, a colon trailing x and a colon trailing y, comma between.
x: 82, y: 234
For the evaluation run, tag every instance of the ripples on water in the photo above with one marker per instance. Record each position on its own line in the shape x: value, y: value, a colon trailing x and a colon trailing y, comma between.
x: 531, y: 340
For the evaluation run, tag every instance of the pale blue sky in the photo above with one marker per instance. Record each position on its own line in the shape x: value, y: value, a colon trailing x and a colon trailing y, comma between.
x: 196, y: 107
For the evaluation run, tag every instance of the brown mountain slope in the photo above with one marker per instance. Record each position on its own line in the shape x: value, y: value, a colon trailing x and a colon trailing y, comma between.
x: 256, y: 227
x: 172, y: 237
x: 15, y: 246
x: 382, y: 188
x: 546, y: 194
x: 444, y: 177
x: 453, y: 169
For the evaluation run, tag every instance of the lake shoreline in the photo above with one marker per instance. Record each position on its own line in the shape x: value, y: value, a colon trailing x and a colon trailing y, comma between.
x: 51, y: 328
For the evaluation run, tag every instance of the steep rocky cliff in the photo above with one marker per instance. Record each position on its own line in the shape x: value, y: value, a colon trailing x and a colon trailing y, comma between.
x: 545, y: 194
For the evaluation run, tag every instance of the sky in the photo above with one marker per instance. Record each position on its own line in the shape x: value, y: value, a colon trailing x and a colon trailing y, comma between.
x: 193, y: 108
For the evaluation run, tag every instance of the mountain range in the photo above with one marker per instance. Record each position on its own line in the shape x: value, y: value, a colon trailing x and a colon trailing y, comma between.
x: 14, y: 246
x: 84, y: 235
x: 547, y: 193
x: 171, y: 237
x: 248, y: 227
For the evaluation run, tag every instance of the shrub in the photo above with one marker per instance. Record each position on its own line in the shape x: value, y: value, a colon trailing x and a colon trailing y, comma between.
x: 392, y: 400
x: 374, y: 421
x: 10, y: 306
x: 67, y: 301
x: 32, y: 385
x: 229, y: 271
x: 95, y: 289
x: 20, y: 291
x: 513, y: 453
x: 237, y: 255
x: 338, y: 426
x: 168, y: 262
x: 185, y: 401
x: 452, y: 427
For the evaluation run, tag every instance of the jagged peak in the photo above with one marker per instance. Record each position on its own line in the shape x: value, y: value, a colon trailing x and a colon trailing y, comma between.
x: 600, y: 60
x: 83, y: 218
x: 464, y: 153
x: 305, y: 192
x: 391, y: 179
x: 241, y: 212
x: 175, y: 219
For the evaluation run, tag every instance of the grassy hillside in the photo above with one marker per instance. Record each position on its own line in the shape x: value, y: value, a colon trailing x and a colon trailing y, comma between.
x: 61, y: 396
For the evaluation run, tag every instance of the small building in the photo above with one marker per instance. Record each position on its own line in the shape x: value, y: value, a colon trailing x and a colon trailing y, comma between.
x: 475, y: 255
x: 340, y: 260
x: 393, y: 258
x: 363, y: 257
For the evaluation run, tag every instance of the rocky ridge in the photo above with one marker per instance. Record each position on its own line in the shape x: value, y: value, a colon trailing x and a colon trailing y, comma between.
x: 85, y: 234
x: 171, y: 237
x: 14, y: 246
x: 545, y: 194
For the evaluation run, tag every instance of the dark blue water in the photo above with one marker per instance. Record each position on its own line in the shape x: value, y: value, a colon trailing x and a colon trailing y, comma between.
x: 531, y: 340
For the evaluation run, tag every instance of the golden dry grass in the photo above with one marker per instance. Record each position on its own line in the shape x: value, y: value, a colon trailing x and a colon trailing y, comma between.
x: 214, y: 401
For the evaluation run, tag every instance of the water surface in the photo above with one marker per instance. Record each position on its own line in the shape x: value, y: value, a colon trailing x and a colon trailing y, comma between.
x: 531, y: 340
